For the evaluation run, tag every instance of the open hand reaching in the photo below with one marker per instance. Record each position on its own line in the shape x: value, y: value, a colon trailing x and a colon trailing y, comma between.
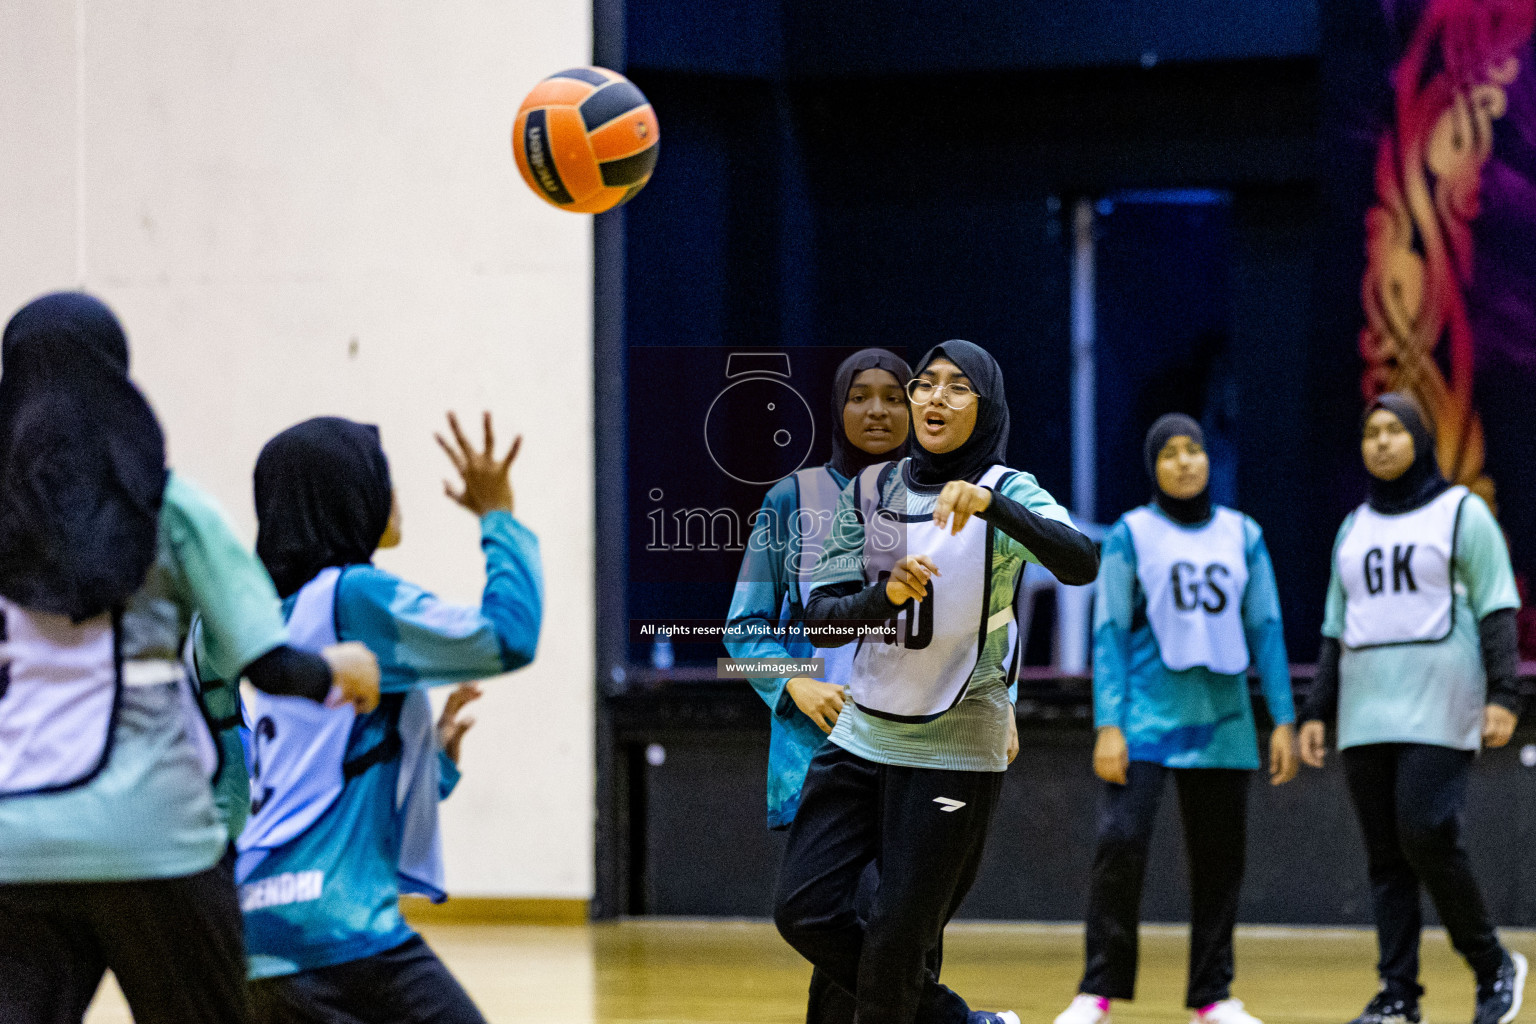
x: 486, y: 479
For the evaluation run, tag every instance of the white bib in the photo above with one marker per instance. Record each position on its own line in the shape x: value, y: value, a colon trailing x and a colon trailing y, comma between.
x: 59, y: 688
x: 299, y: 767
x: 815, y: 508
x: 1194, y: 580
x: 420, y: 868
x: 1398, y: 573
x: 925, y: 670
x: 297, y: 745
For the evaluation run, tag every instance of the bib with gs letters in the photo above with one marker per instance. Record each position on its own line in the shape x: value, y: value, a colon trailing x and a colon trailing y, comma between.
x: 1194, y: 578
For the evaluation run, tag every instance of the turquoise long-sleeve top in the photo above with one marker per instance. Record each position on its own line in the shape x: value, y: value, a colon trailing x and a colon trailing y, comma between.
x: 352, y: 850
x: 767, y: 595
x: 1196, y: 718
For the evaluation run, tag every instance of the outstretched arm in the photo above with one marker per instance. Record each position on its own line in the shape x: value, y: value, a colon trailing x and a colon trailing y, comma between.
x: 1069, y: 555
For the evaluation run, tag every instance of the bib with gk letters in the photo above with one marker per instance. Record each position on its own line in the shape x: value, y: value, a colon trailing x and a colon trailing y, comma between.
x: 1398, y: 573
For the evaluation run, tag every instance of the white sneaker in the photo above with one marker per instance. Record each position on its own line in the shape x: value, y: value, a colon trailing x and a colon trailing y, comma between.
x: 1085, y: 1009
x: 1228, y: 1011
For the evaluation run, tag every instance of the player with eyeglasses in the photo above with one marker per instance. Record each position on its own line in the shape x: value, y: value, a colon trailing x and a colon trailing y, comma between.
x: 957, y: 395
x: 911, y: 773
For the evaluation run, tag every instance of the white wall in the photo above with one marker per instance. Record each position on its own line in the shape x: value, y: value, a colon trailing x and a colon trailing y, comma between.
x: 301, y: 208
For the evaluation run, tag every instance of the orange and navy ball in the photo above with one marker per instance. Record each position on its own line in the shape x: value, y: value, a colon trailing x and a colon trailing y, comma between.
x: 585, y: 140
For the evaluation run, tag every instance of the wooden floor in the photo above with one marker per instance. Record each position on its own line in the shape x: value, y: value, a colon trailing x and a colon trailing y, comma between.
x: 649, y: 972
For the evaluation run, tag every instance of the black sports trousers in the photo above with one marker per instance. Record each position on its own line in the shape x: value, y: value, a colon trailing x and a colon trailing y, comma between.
x: 1213, y: 803
x: 926, y: 829
x: 1409, y: 798
x: 404, y: 985
x: 175, y: 945
x: 828, y: 1002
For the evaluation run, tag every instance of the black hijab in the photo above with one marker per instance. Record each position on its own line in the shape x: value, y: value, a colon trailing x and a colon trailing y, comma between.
x: 323, y: 497
x: 847, y: 457
x: 988, y: 444
x: 82, y: 461
x: 1422, y: 481
x: 1189, y: 511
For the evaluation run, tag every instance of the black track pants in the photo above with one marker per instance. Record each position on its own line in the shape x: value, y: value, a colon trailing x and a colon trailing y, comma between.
x: 925, y: 828
x: 1213, y: 803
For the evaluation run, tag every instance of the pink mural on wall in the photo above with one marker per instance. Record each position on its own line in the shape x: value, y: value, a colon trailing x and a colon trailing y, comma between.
x: 1450, y: 87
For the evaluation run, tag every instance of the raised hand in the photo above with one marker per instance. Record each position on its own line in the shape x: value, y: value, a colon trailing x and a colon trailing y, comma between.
x: 486, y: 480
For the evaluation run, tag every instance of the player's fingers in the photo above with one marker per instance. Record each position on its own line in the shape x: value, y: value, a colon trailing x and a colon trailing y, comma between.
x: 917, y: 576
x: 1282, y: 767
x: 928, y: 564
x: 490, y: 434
x: 453, y: 456
x: 457, y: 496
x: 517, y: 444
x: 458, y: 434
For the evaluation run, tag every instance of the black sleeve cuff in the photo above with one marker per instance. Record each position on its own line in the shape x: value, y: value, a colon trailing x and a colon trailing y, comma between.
x: 1069, y: 555
x: 845, y: 602
x: 1499, y: 637
x: 286, y: 672
x: 1323, y: 698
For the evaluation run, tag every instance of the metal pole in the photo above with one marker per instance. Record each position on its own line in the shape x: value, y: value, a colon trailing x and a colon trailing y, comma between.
x: 1072, y: 603
x: 1084, y: 412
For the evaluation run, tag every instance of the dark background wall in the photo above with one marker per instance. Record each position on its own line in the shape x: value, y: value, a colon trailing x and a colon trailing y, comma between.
x: 693, y: 774
x: 831, y: 179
